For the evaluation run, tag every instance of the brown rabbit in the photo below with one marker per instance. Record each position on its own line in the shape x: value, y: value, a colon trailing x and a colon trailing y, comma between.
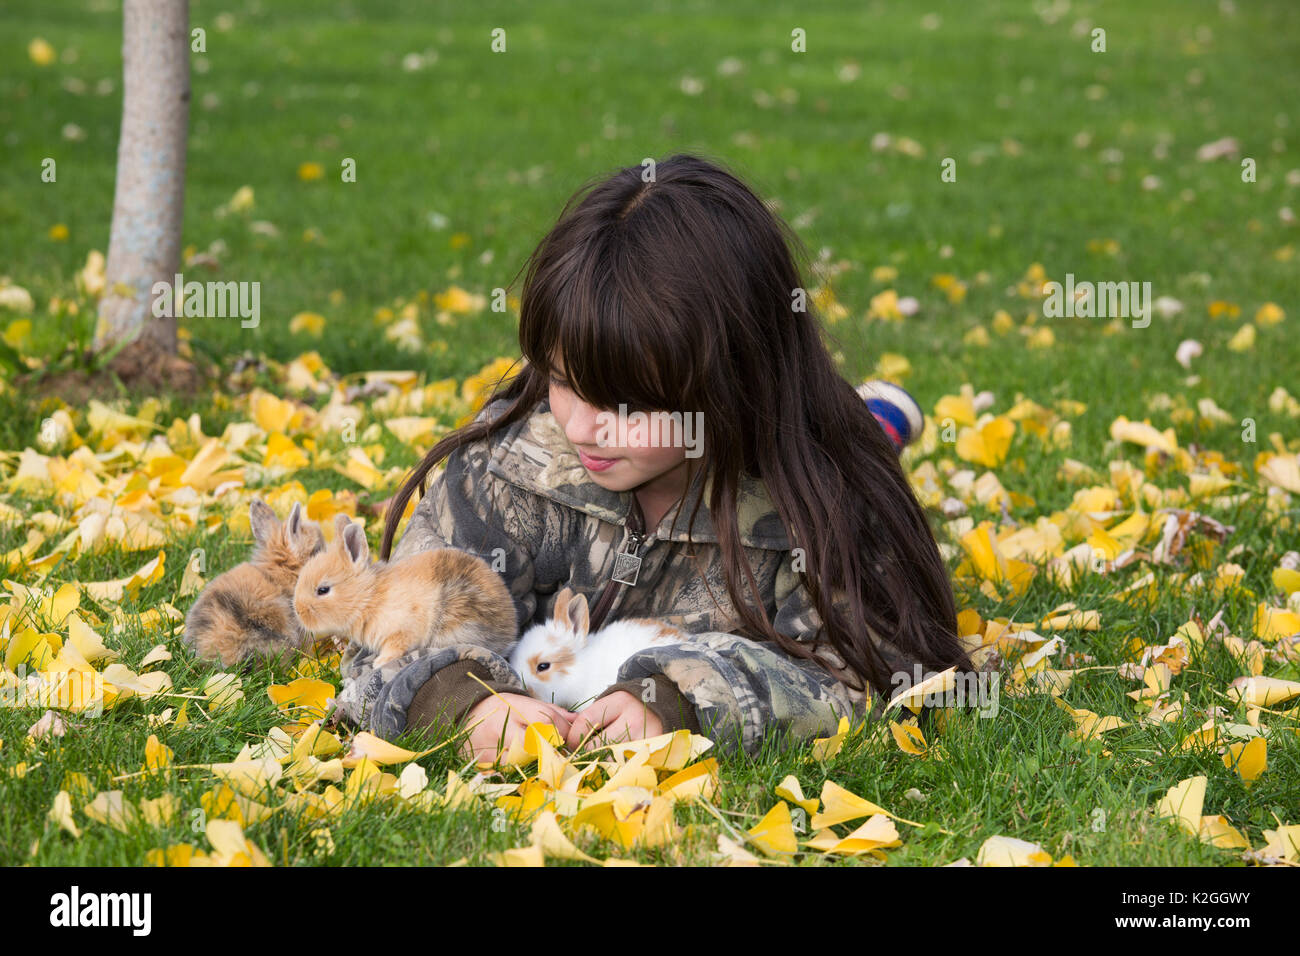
x: 248, y: 610
x: 432, y: 598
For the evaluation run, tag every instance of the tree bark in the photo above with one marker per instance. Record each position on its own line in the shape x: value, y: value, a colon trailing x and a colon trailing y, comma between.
x: 149, y: 199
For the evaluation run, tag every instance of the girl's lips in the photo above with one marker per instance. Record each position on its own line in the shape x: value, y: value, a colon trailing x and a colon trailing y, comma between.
x: 592, y: 463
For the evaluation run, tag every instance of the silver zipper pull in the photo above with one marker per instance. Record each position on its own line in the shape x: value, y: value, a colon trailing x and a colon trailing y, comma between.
x: 627, y: 564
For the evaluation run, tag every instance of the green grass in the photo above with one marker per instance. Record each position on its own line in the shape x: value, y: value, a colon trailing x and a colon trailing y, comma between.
x: 496, y: 143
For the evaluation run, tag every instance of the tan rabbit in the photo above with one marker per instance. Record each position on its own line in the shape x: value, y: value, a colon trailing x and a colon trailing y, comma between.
x: 248, y: 610
x: 430, y: 599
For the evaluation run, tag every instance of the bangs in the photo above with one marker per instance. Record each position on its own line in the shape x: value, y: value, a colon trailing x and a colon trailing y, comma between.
x: 617, y: 342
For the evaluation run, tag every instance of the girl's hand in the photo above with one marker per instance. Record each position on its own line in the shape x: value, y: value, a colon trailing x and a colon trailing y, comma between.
x: 492, y: 716
x: 617, y: 717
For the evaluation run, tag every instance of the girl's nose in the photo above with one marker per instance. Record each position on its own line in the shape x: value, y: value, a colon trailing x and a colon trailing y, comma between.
x: 583, y: 426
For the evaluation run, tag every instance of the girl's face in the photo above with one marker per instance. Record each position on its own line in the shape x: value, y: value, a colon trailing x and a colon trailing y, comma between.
x: 618, y: 455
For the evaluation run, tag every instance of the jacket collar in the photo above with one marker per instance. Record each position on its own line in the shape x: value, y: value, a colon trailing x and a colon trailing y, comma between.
x: 534, y: 454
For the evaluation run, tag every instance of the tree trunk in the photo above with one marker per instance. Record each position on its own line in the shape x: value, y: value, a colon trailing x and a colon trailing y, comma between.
x: 148, y: 204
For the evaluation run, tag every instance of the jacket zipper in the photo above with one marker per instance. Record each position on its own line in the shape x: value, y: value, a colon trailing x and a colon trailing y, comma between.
x: 636, y: 535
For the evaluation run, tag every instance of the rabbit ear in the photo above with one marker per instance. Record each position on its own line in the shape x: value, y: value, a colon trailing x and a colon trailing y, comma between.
x: 294, y: 522
x: 355, y: 545
x: 262, y: 520
x: 341, y: 522
x: 578, y: 616
x: 560, y: 609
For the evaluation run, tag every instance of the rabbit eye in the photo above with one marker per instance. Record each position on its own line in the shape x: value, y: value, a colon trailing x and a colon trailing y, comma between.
x: 322, y: 590
x: 545, y: 665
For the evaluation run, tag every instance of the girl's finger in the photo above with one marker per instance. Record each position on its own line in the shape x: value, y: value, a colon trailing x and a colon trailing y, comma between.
x: 559, y: 713
x: 582, y: 725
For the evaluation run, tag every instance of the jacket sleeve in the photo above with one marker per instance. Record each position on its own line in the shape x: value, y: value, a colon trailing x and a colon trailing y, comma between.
x: 468, y: 508
x: 742, y: 690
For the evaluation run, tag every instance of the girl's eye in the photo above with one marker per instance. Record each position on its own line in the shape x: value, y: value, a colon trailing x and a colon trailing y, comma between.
x: 543, y: 666
x: 559, y: 382
x: 322, y: 590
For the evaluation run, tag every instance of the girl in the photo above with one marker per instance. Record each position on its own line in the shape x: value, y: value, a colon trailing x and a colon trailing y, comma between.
x: 792, y: 549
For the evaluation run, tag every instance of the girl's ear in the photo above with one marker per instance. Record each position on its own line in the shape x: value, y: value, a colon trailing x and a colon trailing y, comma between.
x: 262, y: 520
x: 355, y: 546
x: 578, y: 617
x: 293, y: 524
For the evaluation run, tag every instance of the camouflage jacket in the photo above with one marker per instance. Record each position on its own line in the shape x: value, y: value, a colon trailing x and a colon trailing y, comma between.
x: 523, y: 502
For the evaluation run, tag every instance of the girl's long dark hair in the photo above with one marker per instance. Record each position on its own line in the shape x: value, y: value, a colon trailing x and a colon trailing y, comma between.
x: 682, y: 293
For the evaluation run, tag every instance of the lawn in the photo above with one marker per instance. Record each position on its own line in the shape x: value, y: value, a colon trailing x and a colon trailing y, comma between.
x: 1128, y: 164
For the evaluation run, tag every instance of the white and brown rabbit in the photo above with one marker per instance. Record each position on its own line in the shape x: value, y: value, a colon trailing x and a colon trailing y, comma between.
x: 561, y: 663
x: 429, y: 599
x: 247, y: 611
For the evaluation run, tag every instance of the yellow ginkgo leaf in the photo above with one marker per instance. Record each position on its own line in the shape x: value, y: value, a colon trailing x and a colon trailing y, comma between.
x: 1216, y: 831
x: 697, y: 780
x: 103, y: 420
x: 252, y: 778
x: 910, y: 740
x: 230, y: 847
x: 161, y: 810
x: 361, y: 469
x: 1009, y: 851
x: 157, y: 755
x: 412, y: 430
x: 548, y: 836
x: 113, y: 591
x: 457, y: 793
x: 986, y: 444
x: 1283, y: 843
x: 1286, y: 579
x: 538, y: 732
x: 670, y: 751
x: 1248, y: 759
x: 790, y: 789
x: 304, y: 698
x: 1282, y: 471
x: 1204, y: 737
x: 366, y: 746
x: 934, y: 690
x: 960, y: 408
x: 313, y: 323
x: 61, y: 813
x: 273, y: 414
x: 1142, y: 433
x: 157, y: 654
x: 1183, y: 803
x: 223, y: 691
x: 1263, y: 691
x: 604, y: 819
x: 732, y: 853
x: 1272, y: 624
x: 30, y: 647
x: 774, y: 834
x: 519, y: 856
x: 1243, y: 340
x: 840, y: 805
x: 282, y: 453
x: 1089, y: 725
x: 112, y: 808
x: 826, y: 747
x: 872, y: 836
